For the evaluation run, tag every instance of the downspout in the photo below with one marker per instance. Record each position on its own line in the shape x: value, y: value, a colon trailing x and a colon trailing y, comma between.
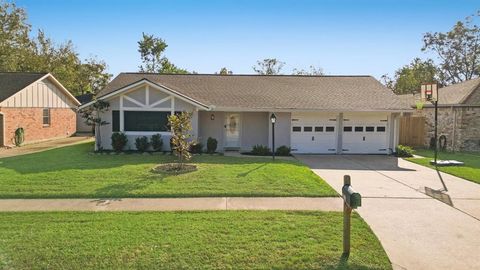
x: 454, y: 127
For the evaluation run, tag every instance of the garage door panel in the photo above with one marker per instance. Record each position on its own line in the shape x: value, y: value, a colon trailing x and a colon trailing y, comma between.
x: 365, y: 134
x: 314, y: 133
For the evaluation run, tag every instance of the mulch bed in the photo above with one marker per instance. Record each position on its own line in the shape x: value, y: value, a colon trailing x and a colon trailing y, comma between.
x: 174, y: 168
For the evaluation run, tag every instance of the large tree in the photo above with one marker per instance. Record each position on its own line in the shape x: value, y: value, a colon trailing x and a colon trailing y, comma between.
x: 14, y: 37
x: 151, y: 51
x: 23, y: 52
x: 269, y: 66
x: 408, y: 78
x: 458, y: 51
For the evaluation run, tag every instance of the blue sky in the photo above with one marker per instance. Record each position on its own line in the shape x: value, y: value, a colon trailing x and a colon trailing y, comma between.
x: 342, y: 36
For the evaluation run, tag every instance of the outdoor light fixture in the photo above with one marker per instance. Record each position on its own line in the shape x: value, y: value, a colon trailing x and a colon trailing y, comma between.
x: 273, y: 119
x: 212, y: 117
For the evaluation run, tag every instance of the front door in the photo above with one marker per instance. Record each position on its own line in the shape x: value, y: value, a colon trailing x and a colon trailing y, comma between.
x: 232, y: 130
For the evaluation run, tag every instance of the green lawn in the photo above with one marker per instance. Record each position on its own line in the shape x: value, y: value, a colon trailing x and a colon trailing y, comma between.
x: 470, y: 171
x: 74, y: 172
x: 185, y: 240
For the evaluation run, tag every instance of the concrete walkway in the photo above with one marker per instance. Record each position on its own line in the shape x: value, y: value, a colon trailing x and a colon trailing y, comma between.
x: 42, y: 146
x: 417, y: 231
x: 173, y: 204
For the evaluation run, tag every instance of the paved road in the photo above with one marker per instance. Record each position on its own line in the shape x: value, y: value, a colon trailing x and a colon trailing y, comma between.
x: 42, y: 146
x: 173, y: 204
x: 417, y: 231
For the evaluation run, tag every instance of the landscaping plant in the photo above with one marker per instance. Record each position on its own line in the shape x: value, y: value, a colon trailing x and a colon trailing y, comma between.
x: 404, y: 151
x: 156, y: 142
x: 211, y: 145
x: 19, y: 136
x: 119, y: 140
x: 283, y: 151
x: 141, y: 143
x: 260, y: 150
x: 196, y: 148
x: 181, y: 141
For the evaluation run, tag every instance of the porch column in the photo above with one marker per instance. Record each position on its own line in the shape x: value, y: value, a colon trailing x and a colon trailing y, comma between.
x: 339, y: 133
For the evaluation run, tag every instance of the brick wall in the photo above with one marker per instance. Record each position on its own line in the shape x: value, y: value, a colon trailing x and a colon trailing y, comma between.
x: 62, y: 123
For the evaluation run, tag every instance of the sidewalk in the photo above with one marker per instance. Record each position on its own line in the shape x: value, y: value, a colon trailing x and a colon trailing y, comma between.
x: 174, y: 204
x: 43, y: 146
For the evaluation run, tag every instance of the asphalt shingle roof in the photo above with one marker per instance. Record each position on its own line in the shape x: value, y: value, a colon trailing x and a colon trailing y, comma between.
x: 12, y: 82
x: 450, y: 95
x: 273, y: 92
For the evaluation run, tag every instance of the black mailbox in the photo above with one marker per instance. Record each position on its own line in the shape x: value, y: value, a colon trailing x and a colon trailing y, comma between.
x: 352, y: 198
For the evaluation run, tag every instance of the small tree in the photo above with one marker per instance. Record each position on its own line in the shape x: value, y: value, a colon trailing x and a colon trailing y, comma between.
x: 92, y: 115
x: 181, y: 125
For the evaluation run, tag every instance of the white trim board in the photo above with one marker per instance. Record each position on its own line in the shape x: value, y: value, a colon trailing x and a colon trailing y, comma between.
x: 148, y: 83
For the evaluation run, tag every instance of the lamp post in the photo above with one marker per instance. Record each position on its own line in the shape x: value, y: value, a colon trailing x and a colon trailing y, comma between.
x: 273, y: 119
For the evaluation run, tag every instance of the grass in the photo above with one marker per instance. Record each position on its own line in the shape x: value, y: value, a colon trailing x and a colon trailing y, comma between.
x: 74, y: 172
x: 185, y: 240
x: 470, y: 171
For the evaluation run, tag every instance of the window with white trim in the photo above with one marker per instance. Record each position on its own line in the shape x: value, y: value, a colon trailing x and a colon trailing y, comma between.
x: 46, y: 117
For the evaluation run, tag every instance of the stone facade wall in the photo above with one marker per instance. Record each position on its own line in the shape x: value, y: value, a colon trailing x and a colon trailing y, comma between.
x: 460, y: 125
x: 470, y: 129
x: 62, y: 124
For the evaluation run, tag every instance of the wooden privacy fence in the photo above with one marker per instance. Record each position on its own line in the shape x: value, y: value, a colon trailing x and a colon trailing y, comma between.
x: 412, y: 131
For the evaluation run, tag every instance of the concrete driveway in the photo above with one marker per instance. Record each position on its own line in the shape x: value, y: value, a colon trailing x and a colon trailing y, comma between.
x: 417, y: 231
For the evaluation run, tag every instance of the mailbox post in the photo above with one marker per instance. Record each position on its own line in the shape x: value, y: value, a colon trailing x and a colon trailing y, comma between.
x: 351, y: 200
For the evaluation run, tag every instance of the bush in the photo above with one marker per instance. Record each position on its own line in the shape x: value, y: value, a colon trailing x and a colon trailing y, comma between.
x: 19, y: 136
x: 119, y: 140
x: 260, y: 150
x: 404, y: 151
x: 211, y: 145
x: 283, y: 151
x: 141, y: 143
x: 196, y: 148
x: 156, y: 142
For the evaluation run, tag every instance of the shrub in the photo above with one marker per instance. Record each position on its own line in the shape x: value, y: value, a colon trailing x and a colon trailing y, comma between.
x: 260, y: 150
x: 141, y: 143
x: 404, y: 151
x: 196, y: 148
x: 211, y: 145
x: 156, y: 142
x: 119, y: 140
x: 19, y: 136
x: 283, y: 151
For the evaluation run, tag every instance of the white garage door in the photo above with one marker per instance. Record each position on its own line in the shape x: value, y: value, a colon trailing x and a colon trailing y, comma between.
x: 314, y: 133
x: 365, y: 134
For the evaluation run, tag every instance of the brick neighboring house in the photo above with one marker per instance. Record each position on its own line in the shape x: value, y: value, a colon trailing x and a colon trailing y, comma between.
x: 39, y: 104
x: 458, y: 115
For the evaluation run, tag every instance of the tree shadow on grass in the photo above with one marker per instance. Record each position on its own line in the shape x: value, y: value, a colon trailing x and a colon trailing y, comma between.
x: 122, y: 190
x: 251, y: 170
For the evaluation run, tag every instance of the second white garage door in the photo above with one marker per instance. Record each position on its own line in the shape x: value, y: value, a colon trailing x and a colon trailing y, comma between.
x: 365, y: 134
x: 314, y: 133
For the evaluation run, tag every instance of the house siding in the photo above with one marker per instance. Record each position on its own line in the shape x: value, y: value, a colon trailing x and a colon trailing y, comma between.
x: 211, y: 128
x: 460, y: 125
x: 282, y: 129
x: 62, y: 124
x: 255, y: 128
x: 140, y: 95
x: 42, y: 94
